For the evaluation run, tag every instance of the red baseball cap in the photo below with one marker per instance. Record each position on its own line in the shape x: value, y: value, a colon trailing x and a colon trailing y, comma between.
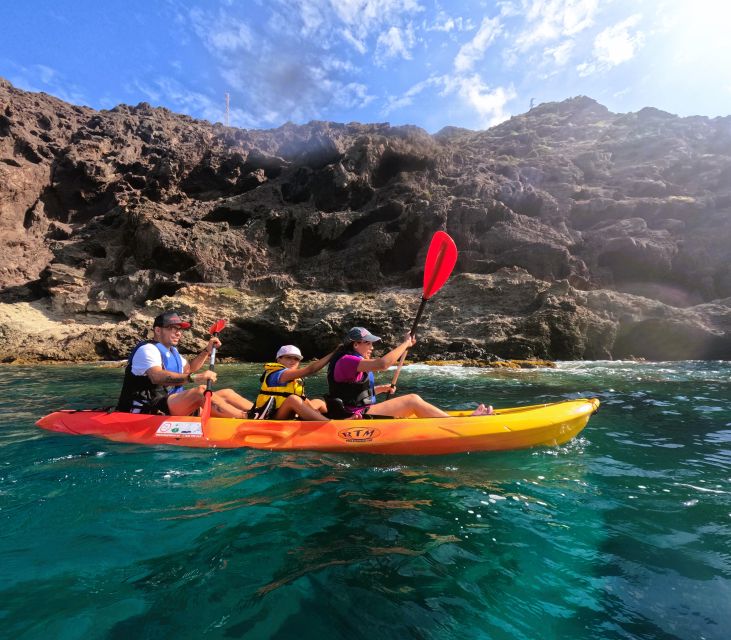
x: 170, y: 319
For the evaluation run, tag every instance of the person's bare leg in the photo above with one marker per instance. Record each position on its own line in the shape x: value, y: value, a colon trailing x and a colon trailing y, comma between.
x: 186, y: 402
x: 231, y: 397
x: 294, y: 405
x: 407, y: 406
x: 222, y: 409
x: 317, y: 404
x: 414, y: 405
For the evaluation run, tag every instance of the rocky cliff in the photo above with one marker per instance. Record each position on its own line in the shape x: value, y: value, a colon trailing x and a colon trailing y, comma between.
x: 582, y: 233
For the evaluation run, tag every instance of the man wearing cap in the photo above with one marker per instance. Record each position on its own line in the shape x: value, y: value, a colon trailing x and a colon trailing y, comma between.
x: 352, y: 388
x: 156, y: 372
x: 282, y: 392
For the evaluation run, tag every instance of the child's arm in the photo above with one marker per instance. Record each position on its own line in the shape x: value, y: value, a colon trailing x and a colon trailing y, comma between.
x: 310, y: 369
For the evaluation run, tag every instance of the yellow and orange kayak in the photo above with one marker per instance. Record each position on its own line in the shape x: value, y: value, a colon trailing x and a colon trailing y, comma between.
x: 514, y: 428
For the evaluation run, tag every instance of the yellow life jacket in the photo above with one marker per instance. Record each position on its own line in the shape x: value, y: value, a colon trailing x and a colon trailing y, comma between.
x: 281, y: 393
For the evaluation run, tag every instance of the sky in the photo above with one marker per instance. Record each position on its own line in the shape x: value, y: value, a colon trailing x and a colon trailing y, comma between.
x: 431, y: 63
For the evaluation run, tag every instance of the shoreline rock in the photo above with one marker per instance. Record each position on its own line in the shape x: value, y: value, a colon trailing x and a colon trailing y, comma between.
x: 582, y: 233
x: 529, y: 320
x: 481, y: 364
x: 492, y: 364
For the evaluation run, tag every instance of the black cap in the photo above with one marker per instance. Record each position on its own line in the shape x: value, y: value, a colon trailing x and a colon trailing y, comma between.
x: 169, y: 319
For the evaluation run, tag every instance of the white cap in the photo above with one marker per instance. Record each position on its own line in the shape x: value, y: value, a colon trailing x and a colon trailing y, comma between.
x: 289, y: 350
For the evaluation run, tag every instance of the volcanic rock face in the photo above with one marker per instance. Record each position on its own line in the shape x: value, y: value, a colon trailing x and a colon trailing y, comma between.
x: 582, y: 233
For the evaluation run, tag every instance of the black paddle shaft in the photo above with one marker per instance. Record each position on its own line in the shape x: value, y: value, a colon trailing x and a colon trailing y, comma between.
x: 418, y: 316
x: 412, y: 332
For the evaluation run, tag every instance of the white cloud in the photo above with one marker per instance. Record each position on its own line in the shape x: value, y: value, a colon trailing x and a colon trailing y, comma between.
x: 294, y: 88
x: 446, y: 23
x: 468, y: 85
x: 336, y: 65
x: 511, y: 8
x: 309, y: 49
x: 359, y: 45
x: 236, y: 36
x: 394, y: 43
x: 559, y: 54
x: 443, y: 23
x: 381, y: 25
x: 489, y: 104
x: 151, y: 93
x: 311, y: 14
x: 40, y: 77
x: 362, y: 16
x: 174, y: 95
x: 613, y: 46
x: 168, y: 90
x: 287, y: 69
x: 46, y: 73
x: 394, y: 103
x: 552, y: 19
x: 221, y: 34
x: 474, y: 50
x: 352, y: 95
x: 355, y: 20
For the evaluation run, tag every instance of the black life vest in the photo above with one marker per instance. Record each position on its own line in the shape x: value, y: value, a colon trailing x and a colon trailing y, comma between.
x: 139, y: 392
x: 342, y: 395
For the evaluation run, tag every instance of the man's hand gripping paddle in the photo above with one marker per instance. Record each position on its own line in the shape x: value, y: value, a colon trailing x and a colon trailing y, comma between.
x: 215, y: 329
x: 440, y: 260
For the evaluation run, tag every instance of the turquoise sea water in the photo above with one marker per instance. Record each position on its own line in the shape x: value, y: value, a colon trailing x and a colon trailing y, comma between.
x: 623, y: 533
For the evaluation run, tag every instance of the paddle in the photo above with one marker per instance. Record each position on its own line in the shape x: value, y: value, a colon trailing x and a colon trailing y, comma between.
x: 215, y: 329
x: 440, y: 260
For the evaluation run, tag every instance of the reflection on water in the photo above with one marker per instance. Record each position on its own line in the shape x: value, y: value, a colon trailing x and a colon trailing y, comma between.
x: 623, y: 532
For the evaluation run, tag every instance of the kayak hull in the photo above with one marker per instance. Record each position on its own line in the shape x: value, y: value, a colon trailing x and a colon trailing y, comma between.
x: 514, y: 428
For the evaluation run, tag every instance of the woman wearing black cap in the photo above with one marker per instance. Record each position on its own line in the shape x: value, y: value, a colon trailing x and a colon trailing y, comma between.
x: 352, y: 389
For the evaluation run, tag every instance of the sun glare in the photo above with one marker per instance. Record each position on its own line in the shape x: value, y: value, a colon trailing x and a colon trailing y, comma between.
x: 698, y: 29
x: 687, y: 52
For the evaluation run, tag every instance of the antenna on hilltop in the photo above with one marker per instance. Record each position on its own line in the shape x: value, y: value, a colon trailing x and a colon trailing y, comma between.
x: 532, y: 100
x: 227, y: 110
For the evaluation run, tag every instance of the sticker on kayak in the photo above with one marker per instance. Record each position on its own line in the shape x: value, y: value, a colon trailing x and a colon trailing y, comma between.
x: 360, y: 434
x: 180, y: 429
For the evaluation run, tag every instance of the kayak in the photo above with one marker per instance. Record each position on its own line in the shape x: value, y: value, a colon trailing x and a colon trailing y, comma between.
x: 512, y: 428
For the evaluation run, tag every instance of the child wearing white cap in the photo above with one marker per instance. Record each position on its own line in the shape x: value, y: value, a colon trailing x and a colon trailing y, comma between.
x: 282, y: 393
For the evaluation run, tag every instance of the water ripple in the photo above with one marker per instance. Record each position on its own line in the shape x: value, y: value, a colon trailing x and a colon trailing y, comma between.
x: 623, y: 532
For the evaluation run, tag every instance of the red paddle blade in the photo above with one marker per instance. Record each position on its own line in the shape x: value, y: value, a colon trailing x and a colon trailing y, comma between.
x: 440, y: 260
x: 206, y: 408
x: 217, y: 327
